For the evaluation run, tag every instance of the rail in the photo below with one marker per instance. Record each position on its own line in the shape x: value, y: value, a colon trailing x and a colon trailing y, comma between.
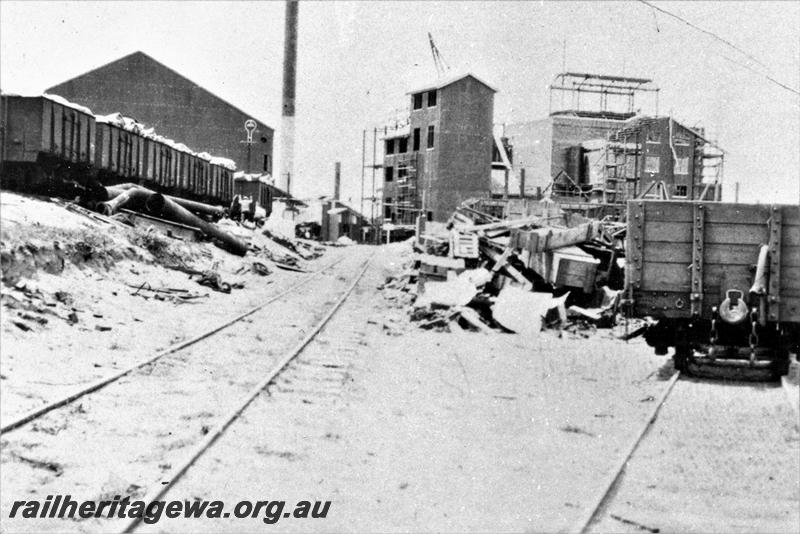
x: 103, y: 382
x: 601, y: 501
x: 176, y: 473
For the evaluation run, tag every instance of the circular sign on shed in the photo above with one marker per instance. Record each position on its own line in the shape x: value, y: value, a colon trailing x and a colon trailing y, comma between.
x: 250, y: 126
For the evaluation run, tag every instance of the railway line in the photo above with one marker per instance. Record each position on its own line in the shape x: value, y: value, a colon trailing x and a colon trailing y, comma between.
x: 103, y: 382
x: 668, y: 479
x: 79, y: 445
x: 325, y: 359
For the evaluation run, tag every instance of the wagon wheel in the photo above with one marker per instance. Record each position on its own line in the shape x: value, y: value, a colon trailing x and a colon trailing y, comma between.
x: 681, y: 357
x: 683, y: 349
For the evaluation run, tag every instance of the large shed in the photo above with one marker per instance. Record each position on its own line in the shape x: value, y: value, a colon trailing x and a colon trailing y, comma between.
x: 138, y: 86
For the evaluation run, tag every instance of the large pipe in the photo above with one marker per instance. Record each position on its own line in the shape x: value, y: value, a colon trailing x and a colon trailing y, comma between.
x: 133, y: 198
x: 217, y: 212
x: 289, y: 84
x: 110, y: 195
x: 159, y: 205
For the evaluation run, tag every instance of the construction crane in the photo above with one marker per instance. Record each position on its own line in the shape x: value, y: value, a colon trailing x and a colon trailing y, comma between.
x: 438, y: 61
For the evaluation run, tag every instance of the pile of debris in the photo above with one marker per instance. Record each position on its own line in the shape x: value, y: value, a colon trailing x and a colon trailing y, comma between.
x: 517, y: 275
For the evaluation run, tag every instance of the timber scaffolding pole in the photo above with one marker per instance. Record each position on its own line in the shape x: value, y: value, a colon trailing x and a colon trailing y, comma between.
x: 374, y: 165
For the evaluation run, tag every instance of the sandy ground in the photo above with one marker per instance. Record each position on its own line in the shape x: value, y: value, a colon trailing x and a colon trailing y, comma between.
x: 720, y: 457
x: 401, y: 429
x: 432, y: 432
x: 115, y: 324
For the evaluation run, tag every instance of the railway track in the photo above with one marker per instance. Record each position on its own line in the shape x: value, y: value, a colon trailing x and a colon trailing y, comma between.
x: 319, y: 381
x: 601, y: 501
x: 694, y: 464
x: 326, y: 359
x: 103, y: 382
x: 156, y: 453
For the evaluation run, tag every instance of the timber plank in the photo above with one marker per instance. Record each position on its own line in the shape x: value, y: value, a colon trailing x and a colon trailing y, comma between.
x: 734, y: 234
x: 667, y: 252
x: 677, y: 276
x: 719, y: 213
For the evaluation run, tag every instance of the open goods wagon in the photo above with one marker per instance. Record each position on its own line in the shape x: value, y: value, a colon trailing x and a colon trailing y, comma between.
x: 721, y: 279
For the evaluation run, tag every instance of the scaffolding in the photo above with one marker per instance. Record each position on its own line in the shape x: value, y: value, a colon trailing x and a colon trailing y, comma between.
x: 408, y: 204
x: 612, y: 97
x: 625, y: 168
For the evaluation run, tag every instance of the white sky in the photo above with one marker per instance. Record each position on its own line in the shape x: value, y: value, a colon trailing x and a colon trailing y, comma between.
x: 356, y: 60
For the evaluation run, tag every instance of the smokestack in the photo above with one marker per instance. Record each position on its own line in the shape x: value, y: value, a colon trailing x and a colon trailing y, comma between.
x: 522, y: 182
x: 289, y: 84
x: 337, y: 180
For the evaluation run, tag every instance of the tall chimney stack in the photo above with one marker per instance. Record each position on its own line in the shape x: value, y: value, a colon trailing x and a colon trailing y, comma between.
x: 289, y: 84
x: 337, y: 180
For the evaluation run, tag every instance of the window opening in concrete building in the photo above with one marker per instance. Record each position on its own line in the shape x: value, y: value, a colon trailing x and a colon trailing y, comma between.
x: 653, y: 137
x: 430, y: 136
x: 402, y: 145
x: 387, y: 210
x: 652, y: 164
x: 389, y: 174
x: 418, y: 101
x: 681, y: 190
x: 390, y: 146
x: 682, y: 166
x: 682, y: 139
x: 416, y: 140
x: 431, y: 98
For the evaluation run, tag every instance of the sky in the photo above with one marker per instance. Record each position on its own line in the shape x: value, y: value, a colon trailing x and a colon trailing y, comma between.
x: 357, y: 60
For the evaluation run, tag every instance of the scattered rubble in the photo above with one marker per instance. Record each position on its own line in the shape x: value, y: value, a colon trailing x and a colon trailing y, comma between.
x: 522, y: 275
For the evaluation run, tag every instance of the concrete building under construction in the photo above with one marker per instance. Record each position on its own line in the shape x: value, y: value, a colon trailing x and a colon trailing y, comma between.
x: 442, y: 155
x: 596, y: 146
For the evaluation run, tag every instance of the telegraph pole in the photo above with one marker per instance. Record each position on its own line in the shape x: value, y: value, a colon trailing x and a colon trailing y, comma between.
x: 363, y: 165
x: 372, y: 210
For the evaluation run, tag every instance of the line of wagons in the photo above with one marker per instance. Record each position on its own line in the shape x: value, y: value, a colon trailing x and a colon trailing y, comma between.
x: 49, y: 144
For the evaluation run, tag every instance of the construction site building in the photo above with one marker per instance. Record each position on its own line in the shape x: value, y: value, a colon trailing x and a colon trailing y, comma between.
x: 442, y: 155
x: 544, y: 149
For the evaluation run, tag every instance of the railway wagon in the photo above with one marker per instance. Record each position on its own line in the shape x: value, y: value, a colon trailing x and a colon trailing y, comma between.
x: 120, y: 152
x: 721, y: 279
x: 51, y: 146
x: 160, y: 163
x: 44, y: 141
x: 222, y: 180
